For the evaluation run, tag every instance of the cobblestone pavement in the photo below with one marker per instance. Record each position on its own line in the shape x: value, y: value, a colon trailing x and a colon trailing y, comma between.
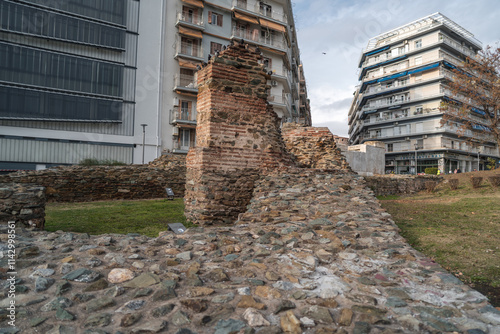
x: 314, y: 253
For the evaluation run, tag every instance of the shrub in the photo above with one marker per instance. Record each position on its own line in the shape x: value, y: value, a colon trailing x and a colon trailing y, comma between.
x: 494, y: 180
x: 95, y: 162
x: 431, y: 170
x: 476, y: 181
x: 453, y: 184
x: 430, y: 186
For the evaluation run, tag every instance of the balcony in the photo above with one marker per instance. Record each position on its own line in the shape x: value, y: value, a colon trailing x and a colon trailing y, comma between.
x: 183, y: 146
x: 191, y: 20
x: 181, y: 116
x: 185, y: 83
x: 189, y: 50
x: 397, y: 102
x: 275, y: 41
x: 255, y: 7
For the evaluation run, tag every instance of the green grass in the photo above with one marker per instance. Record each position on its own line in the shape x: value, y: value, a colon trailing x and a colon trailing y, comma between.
x: 147, y: 217
x: 459, y: 229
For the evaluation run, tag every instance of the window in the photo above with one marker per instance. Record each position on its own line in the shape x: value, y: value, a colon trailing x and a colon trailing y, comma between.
x: 265, y: 9
x: 390, y: 147
x: 215, y: 47
x: 268, y: 63
x: 418, y: 76
x: 185, y: 110
x: 401, y: 50
x: 190, y: 15
x: 215, y: 18
x: 418, y: 44
x: 419, y: 110
x: 418, y: 60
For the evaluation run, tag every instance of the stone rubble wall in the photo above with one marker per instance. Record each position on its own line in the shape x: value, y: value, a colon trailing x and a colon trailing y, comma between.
x: 313, y: 147
x: 384, y: 185
x: 237, y: 136
x: 95, y: 183
x: 21, y: 203
x: 313, y: 254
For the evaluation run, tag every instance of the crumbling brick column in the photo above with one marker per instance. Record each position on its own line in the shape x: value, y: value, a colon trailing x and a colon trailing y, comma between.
x: 237, y: 137
x: 313, y: 147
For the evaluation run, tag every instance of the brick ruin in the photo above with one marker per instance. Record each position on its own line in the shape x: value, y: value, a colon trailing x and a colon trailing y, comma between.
x: 239, y: 138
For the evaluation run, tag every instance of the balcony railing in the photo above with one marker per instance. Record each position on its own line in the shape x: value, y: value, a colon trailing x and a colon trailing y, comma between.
x: 190, y: 50
x: 181, y: 115
x: 255, y: 7
x: 274, y: 40
x: 191, y: 19
x: 427, y: 60
x: 184, y: 81
x: 457, y: 46
x: 183, y: 147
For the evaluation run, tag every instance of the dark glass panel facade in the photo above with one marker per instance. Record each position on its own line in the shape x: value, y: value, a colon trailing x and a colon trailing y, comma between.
x: 113, y: 11
x: 34, y: 104
x: 29, y: 66
x: 20, y: 18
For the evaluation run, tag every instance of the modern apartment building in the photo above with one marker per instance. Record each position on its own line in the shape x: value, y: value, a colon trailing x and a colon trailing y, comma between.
x: 403, y: 75
x: 116, y: 79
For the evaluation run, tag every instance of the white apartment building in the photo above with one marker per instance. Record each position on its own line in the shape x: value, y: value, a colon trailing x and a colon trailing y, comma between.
x: 99, y: 79
x: 403, y: 76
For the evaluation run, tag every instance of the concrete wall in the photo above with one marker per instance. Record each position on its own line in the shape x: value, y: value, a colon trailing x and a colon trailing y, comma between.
x: 367, y: 159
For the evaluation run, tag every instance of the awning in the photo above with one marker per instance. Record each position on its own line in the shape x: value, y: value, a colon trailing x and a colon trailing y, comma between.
x: 190, y: 32
x: 425, y: 68
x: 246, y: 18
x: 478, y: 111
x: 378, y: 50
x: 394, y: 76
x: 380, y: 64
x: 272, y: 25
x: 196, y: 3
x: 187, y: 64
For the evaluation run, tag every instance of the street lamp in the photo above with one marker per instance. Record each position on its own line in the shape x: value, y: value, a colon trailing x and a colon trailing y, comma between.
x: 416, y: 149
x: 478, y: 151
x: 143, y: 140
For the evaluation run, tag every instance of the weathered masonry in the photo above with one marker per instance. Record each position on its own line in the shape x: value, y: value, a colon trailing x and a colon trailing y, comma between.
x: 237, y: 137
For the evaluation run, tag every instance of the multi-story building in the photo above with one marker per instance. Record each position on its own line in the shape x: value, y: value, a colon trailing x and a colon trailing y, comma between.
x: 116, y: 79
x: 67, y: 81
x: 403, y: 76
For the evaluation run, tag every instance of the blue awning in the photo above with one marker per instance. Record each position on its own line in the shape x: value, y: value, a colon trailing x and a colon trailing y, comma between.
x: 378, y: 50
x: 481, y: 127
x: 449, y: 65
x: 369, y: 112
x: 380, y: 64
x: 478, y: 111
x: 425, y: 68
x: 394, y: 76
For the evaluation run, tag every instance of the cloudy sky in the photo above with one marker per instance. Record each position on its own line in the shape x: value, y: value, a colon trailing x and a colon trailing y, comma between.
x: 332, y: 34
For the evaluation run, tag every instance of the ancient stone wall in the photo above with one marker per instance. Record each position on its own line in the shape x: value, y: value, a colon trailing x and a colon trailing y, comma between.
x: 384, y: 185
x: 237, y: 136
x: 94, y: 183
x: 313, y: 147
x: 23, y: 204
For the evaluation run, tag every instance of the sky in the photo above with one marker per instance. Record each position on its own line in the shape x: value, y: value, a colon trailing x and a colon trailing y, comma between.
x: 333, y: 33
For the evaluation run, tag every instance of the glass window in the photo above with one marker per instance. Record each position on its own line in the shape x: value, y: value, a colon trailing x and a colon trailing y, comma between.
x: 418, y: 44
x: 215, y: 47
x: 215, y: 18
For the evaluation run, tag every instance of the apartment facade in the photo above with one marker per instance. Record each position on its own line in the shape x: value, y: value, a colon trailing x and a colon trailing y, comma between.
x: 116, y: 79
x: 403, y: 75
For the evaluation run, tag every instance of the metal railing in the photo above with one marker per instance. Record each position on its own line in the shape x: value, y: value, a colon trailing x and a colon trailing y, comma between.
x: 193, y: 19
x: 185, y: 81
x: 255, y: 7
x: 179, y: 115
x: 274, y: 40
x: 189, y: 49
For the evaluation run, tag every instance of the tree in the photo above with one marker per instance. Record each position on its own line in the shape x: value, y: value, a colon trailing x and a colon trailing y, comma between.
x: 475, y: 104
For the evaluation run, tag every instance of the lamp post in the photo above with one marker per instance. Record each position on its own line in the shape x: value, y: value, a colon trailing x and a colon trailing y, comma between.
x: 478, y: 151
x: 416, y: 165
x: 143, y: 140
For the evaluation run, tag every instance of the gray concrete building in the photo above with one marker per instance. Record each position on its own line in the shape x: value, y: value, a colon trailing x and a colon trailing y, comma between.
x: 98, y: 79
x: 403, y: 75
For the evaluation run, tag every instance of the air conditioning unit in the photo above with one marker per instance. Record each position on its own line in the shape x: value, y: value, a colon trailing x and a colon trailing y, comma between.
x: 407, y: 138
x: 396, y: 123
x: 176, y: 101
x: 176, y: 131
x: 274, y: 83
x: 425, y: 136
